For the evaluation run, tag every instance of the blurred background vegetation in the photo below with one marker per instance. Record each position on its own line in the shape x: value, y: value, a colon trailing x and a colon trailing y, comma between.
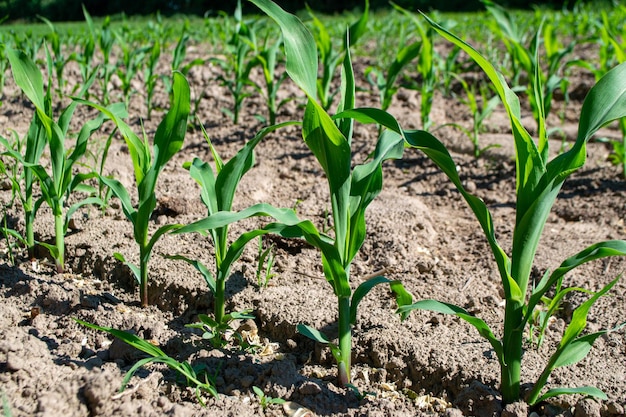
x: 70, y: 10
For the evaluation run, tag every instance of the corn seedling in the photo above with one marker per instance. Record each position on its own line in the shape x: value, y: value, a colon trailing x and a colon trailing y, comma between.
x: 265, y: 400
x: 61, y: 181
x: 195, y: 377
x: 85, y: 59
x: 150, y: 74
x: 480, y: 106
x: 12, y: 173
x: 128, y: 65
x: 105, y: 43
x: 539, y: 181
x: 168, y: 140
x: 57, y: 61
x: 351, y: 189
x: 267, y: 57
x: 385, y: 81
x: 237, y: 64
x: 265, y: 261
x: 425, y: 67
x: 526, y: 58
x: 218, y: 189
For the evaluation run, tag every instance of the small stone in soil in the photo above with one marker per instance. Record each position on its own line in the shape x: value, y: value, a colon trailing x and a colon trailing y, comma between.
x: 587, y: 408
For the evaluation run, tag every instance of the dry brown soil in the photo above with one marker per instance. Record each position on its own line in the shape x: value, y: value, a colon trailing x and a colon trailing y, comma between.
x: 419, y: 231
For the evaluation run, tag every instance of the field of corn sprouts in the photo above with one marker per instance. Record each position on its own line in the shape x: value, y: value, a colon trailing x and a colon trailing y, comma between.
x: 255, y: 356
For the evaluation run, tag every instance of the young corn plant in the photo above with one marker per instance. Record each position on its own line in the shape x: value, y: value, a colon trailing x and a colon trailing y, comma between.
x: 539, y: 181
x: 481, y: 106
x: 526, y: 58
x: 196, y: 377
x: 22, y: 178
x: 105, y: 43
x: 264, y: 399
x: 385, y: 81
x: 58, y: 60
x: 151, y: 76
x: 351, y: 189
x: 11, y: 237
x: 57, y: 184
x: 267, y: 58
x: 168, y: 140
x: 265, y: 259
x: 218, y: 187
x: 128, y: 65
x: 238, y: 64
x: 85, y: 58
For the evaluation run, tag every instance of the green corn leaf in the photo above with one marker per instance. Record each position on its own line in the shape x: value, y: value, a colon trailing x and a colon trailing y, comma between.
x: 156, y: 355
x: 438, y: 153
x: 319, y: 337
x: 348, y: 91
x: 219, y: 164
x: 605, y: 102
x: 372, y: 115
x: 139, y: 153
x: 579, y: 317
x: 530, y: 166
x: 72, y: 209
x: 121, y: 193
x: 169, y: 136
x: 28, y: 77
x: 367, y: 182
x: 157, y: 235
x: 577, y: 349
x: 445, y: 308
x: 288, y: 226
x: 332, y: 150
x: 139, y: 364
x: 229, y: 177
x: 299, y: 47
x: 133, y: 268
x: 588, y: 391
x: 200, y: 267
x: 596, y: 251
x: 313, y: 334
x: 403, y: 297
x: 48, y: 189
x: 224, y: 218
x: 129, y: 338
x: 358, y: 28
x: 54, y: 251
x: 203, y: 174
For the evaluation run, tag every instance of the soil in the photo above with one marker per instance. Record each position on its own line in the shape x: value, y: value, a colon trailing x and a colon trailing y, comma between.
x: 420, y: 231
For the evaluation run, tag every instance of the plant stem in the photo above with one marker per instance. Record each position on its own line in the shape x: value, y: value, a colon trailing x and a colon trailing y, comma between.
x: 345, y: 341
x: 512, y: 340
x: 622, y: 126
x: 60, y: 242
x: 28, y: 212
x: 541, y: 382
x: 143, y: 279
x: 219, y: 298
